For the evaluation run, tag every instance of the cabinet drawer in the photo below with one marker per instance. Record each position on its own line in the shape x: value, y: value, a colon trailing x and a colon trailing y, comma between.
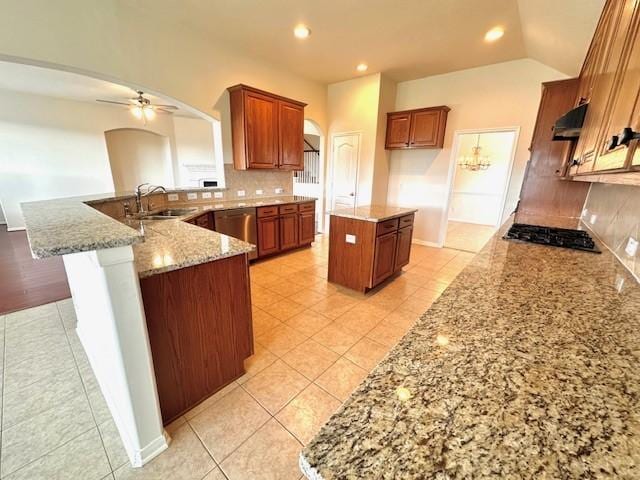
x: 387, y: 226
x: 307, y: 207
x: 284, y: 209
x: 267, y: 212
x: 406, y: 221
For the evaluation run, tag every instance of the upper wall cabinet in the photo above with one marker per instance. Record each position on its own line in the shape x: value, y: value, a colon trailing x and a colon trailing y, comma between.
x: 421, y: 128
x: 267, y: 130
x: 610, y: 83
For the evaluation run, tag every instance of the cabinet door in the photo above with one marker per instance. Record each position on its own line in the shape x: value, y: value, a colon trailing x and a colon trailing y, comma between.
x: 261, y: 125
x: 268, y: 235
x: 288, y: 231
x: 291, y: 136
x: 403, y: 248
x: 398, y: 130
x: 612, y: 33
x: 384, y: 257
x: 425, y: 129
x: 307, y: 227
x: 204, y: 221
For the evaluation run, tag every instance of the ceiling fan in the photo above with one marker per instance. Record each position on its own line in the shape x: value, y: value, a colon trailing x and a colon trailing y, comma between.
x: 142, y: 108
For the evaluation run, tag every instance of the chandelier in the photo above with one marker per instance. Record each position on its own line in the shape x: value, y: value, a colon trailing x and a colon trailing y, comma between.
x: 476, y: 161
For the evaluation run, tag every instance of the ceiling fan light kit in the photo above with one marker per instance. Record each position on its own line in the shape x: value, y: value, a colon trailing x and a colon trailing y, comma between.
x: 142, y: 108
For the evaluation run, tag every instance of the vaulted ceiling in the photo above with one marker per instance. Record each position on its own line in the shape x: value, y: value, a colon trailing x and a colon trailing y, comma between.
x: 405, y: 39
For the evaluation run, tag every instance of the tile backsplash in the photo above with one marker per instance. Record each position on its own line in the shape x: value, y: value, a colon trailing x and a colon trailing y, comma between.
x: 611, y: 211
x: 249, y: 181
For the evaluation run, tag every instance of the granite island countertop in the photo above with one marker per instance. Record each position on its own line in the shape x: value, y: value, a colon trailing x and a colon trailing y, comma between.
x: 525, y: 367
x: 373, y: 213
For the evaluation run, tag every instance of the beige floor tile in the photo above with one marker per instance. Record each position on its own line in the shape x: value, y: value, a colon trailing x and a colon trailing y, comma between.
x: 113, y: 444
x: 286, y: 286
x: 367, y: 353
x: 384, y: 301
x: 336, y: 338
x: 263, y: 277
x: 306, y: 413
x: 62, y: 463
x: 284, y: 309
x: 276, y: 385
x: 270, y: 454
x: 417, y: 305
x: 307, y: 297
x: 334, y: 305
x: 263, y: 322
x: 281, y: 339
x: 257, y: 362
x: 468, y: 236
x: 225, y: 425
x: 215, y: 474
x: 185, y: 459
x: 324, y: 287
x: 213, y: 399
x: 400, y: 318
x: 361, y: 319
x: 23, y: 317
x: 437, y: 285
x: 308, y: 322
x: 310, y: 359
x: 262, y: 297
x: 387, y: 334
x: 341, y: 378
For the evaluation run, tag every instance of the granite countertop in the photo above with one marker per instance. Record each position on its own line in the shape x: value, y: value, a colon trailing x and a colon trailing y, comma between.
x: 525, y: 367
x: 373, y: 213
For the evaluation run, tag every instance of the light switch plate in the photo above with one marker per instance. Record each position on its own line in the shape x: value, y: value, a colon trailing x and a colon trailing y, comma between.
x: 206, y: 194
x: 173, y: 197
x: 593, y: 219
x: 241, y: 193
x: 217, y: 194
x: 279, y: 190
x: 192, y: 196
x: 632, y: 247
x: 259, y: 192
x: 350, y: 238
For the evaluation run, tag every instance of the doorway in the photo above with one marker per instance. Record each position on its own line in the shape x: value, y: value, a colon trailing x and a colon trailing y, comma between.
x: 345, y: 158
x: 310, y: 181
x: 482, y: 161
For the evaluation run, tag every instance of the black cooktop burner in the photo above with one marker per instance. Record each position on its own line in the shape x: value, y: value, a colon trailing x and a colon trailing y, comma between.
x: 556, y: 237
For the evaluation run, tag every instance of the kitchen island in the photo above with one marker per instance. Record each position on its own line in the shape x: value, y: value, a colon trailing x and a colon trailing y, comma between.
x: 163, y: 309
x: 525, y: 367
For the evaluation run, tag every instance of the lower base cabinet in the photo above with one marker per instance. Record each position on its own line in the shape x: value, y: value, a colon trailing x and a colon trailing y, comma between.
x: 288, y: 231
x: 268, y: 236
x: 362, y: 253
x: 285, y: 227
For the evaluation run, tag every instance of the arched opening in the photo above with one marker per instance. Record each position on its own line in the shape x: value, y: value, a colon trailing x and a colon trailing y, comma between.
x: 311, y: 181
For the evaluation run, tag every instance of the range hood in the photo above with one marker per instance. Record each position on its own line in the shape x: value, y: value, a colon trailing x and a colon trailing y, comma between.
x: 568, y: 126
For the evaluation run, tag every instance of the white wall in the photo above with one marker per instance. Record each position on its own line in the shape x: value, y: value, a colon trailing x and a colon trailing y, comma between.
x: 477, y: 196
x: 51, y: 148
x: 501, y: 95
x: 195, y: 149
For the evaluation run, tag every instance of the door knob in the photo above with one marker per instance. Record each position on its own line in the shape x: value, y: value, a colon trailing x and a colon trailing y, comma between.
x: 352, y: 194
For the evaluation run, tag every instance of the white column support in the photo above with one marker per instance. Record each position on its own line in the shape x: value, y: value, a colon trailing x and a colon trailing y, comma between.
x: 112, y: 328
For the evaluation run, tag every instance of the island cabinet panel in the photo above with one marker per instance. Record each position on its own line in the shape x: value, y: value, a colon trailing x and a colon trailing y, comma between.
x: 403, y: 248
x: 384, y: 259
x: 267, y: 130
x: 268, y: 235
x: 200, y: 330
x: 421, y: 128
x: 288, y: 231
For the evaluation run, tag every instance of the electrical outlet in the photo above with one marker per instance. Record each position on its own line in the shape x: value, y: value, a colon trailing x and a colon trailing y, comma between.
x: 259, y: 192
x: 206, y: 194
x: 593, y: 219
x: 632, y: 247
x: 173, y: 197
x: 217, y: 194
x: 619, y: 283
x: 192, y: 196
x: 279, y: 190
x: 240, y: 193
x: 350, y: 238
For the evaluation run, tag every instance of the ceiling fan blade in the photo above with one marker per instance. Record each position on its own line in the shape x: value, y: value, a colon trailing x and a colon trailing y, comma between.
x: 111, y: 101
x: 171, y: 107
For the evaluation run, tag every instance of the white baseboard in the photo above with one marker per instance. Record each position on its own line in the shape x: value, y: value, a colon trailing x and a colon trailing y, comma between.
x: 426, y: 243
x: 15, y: 229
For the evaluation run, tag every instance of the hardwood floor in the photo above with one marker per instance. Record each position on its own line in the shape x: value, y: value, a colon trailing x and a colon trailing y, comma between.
x: 25, y: 282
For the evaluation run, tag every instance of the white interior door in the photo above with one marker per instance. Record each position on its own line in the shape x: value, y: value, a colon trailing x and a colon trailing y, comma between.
x: 345, y: 151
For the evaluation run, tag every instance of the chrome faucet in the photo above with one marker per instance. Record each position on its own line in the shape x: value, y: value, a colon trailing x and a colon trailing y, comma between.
x: 150, y: 189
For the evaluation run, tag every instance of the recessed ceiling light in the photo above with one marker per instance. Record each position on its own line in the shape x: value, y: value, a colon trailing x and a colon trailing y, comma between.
x: 301, y: 31
x: 362, y: 67
x: 494, y: 34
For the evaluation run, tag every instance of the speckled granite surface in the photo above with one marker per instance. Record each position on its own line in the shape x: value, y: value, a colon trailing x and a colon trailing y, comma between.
x: 526, y: 367
x: 59, y: 227
x: 373, y: 213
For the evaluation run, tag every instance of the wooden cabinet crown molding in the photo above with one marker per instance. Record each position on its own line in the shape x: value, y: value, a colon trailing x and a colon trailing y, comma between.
x: 417, y: 128
x: 267, y: 130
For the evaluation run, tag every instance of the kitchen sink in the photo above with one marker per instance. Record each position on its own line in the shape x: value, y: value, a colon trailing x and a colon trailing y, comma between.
x: 169, y: 213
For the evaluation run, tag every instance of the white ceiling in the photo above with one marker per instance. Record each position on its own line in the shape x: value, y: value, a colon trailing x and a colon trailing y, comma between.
x: 405, y: 39
x: 17, y: 77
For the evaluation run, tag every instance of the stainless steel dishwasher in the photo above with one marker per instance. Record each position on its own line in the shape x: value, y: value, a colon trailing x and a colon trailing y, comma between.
x: 239, y: 223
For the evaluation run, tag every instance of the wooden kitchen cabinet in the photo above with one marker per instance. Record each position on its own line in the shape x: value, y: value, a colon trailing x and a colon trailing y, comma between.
x: 307, y: 226
x: 364, y: 253
x: 288, y: 231
x: 268, y: 235
x: 421, y: 128
x: 285, y: 227
x: 267, y: 130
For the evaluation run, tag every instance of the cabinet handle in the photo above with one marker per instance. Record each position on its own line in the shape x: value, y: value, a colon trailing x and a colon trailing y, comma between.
x: 626, y: 136
x: 613, y: 142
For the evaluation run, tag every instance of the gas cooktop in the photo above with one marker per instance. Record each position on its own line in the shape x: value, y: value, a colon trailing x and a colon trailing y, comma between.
x: 556, y: 237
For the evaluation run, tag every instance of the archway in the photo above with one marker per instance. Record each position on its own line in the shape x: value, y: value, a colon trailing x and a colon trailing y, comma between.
x: 311, y: 181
